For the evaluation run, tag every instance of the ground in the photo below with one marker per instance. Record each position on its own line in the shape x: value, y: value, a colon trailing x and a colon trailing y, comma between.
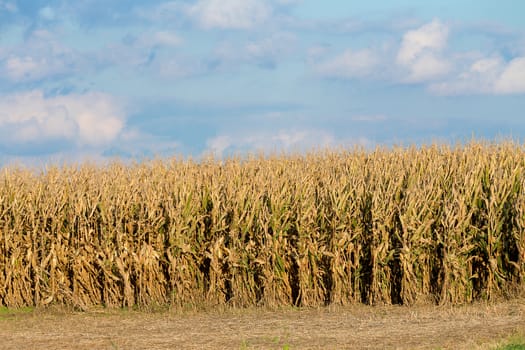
x: 475, y: 326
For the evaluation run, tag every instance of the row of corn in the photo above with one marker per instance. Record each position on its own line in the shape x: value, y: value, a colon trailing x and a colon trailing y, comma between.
x: 435, y: 224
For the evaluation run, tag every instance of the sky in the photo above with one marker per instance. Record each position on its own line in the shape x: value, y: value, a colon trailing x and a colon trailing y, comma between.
x: 135, y: 79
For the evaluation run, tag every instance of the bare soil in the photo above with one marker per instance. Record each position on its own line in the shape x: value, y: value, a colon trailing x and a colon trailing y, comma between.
x: 359, y: 327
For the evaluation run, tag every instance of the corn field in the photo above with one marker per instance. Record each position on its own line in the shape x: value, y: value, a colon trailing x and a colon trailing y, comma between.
x: 436, y: 224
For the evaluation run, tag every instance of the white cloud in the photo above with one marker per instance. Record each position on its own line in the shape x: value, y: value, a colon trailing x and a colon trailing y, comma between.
x: 219, y: 144
x: 230, y: 14
x: 41, y: 56
x: 350, y: 64
x: 424, y: 57
x: 486, y: 65
x: 479, y: 77
x: 91, y: 119
x: 488, y: 75
x: 420, y: 52
x: 432, y: 36
x: 512, y: 80
x: 283, y: 140
x: 427, y: 67
x: 418, y: 59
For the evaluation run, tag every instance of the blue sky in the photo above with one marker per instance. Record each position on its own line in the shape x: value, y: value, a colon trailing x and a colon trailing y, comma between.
x: 96, y: 79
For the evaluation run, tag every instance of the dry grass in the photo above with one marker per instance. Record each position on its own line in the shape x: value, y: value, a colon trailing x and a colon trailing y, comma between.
x: 475, y: 326
x: 434, y: 225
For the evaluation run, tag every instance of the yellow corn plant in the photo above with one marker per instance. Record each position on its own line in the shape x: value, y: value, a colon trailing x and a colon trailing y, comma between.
x: 435, y: 224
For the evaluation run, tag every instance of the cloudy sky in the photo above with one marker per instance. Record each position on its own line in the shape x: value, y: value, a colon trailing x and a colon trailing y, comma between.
x: 137, y: 78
